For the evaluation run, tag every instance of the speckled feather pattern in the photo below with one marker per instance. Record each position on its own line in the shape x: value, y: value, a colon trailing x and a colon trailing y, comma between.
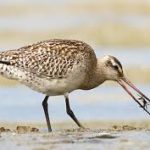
x: 52, y: 59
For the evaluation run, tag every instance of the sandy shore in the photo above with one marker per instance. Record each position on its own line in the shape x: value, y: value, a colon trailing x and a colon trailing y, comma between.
x: 98, y: 136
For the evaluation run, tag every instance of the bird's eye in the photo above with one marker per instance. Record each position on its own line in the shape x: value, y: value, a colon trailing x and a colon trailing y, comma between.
x: 115, y: 67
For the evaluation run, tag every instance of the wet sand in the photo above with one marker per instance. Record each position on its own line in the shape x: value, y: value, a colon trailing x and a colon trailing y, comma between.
x: 99, y: 136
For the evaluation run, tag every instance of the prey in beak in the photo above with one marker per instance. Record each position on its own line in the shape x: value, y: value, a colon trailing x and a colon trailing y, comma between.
x: 114, y: 71
x: 142, y: 101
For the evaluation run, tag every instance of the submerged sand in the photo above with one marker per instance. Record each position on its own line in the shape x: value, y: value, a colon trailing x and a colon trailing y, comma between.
x: 100, y: 135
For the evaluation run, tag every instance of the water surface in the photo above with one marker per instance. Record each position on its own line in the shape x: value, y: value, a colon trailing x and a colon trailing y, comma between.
x: 108, y: 102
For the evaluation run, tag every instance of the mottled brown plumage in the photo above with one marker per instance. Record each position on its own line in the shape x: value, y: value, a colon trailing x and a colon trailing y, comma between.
x: 51, y: 58
x: 48, y: 60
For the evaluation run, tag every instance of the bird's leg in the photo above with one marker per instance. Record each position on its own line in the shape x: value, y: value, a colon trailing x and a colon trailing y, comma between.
x: 45, y: 107
x: 70, y: 112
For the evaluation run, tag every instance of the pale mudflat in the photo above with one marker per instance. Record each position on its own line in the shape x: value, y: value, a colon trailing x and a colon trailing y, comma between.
x: 101, y: 135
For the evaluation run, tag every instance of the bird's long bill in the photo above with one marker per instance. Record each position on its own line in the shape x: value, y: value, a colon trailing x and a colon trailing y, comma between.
x: 142, y: 100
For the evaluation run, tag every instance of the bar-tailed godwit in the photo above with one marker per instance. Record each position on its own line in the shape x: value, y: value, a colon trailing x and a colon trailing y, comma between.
x: 58, y: 67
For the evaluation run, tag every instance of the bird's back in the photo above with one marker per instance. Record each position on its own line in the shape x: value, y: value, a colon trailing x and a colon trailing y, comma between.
x: 51, y: 60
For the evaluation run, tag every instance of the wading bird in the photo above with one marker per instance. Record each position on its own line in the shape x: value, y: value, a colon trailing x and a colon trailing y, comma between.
x: 58, y: 67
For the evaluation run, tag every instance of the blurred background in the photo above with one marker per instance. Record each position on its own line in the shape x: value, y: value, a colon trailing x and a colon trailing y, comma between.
x: 116, y: 27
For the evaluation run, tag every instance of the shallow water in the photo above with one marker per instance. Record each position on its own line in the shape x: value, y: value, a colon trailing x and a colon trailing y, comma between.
x: 105, y: 102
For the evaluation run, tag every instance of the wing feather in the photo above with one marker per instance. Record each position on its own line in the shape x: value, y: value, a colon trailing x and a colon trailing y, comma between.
x: 51, y: 59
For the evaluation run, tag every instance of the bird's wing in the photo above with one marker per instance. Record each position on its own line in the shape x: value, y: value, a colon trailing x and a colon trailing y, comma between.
x: 51, y: 59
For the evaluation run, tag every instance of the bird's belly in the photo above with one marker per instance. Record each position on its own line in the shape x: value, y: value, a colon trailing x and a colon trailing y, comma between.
x: 57, y: 86
x: 53, y: 87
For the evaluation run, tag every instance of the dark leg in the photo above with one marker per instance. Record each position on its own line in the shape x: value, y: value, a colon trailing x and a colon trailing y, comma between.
x: 45, y: 107
x: 70, y: 112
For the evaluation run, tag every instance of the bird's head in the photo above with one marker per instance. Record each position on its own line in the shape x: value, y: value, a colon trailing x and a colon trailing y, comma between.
x: 112, y: 70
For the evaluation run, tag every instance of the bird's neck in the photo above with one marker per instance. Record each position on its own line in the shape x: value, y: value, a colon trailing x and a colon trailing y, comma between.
x: 97, y: 76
